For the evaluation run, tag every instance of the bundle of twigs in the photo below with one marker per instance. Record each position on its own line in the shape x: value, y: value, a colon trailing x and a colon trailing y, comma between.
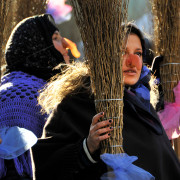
x: 167, y: 43
x: 100, y: 24
x: 12, y: 12
x: 4, y: 9
x: 30, y: 8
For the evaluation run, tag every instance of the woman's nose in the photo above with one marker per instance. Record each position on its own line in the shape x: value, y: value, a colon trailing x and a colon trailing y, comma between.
x: 132, y: 60
x: 64, y: 43
x: 129, y: 60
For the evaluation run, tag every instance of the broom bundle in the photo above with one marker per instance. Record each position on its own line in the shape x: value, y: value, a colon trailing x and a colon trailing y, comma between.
x: 4, y: 10
x: 30, y: 8
x: 100, y: 24
x: 167, y: 43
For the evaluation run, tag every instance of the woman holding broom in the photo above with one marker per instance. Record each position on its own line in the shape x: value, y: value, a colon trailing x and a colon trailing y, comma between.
x: 70, y: 146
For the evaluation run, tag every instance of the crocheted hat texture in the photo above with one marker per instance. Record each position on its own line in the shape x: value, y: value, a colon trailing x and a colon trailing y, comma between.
x: 18, y: 102
x: 30, y: 47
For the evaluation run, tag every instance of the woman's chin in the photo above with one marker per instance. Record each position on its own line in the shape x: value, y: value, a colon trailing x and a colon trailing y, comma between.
x: 130, y: 82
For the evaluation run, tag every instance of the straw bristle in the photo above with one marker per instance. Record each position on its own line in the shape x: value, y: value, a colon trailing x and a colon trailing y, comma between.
x: 4, y: 10
x: 167, y: 43
x: 100, y: 24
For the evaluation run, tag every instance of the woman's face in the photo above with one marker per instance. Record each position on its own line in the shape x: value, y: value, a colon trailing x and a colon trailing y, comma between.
x: 132, y: 60
x: 60, y: 44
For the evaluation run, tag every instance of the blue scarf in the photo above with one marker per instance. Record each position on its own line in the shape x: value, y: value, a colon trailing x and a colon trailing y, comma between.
x: 142, y: 88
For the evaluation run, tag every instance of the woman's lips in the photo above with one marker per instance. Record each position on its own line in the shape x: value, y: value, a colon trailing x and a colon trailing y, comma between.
x: 130, y: 72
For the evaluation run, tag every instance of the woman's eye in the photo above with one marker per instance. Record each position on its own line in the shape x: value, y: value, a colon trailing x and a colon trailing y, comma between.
x: 139, y: 54
x: 54, y: 38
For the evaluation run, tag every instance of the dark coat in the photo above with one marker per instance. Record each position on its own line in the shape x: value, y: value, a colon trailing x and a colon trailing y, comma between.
x: 60, y: 155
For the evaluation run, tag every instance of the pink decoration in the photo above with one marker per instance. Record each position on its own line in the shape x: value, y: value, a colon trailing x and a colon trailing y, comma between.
x: 59, y: 10
x: 170, y: 116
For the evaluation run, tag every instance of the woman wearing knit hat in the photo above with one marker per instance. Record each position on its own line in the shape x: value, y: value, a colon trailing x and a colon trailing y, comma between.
x: 34, y: 48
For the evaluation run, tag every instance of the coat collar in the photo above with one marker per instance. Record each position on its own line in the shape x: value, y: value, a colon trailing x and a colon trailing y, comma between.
x: 150, y: 118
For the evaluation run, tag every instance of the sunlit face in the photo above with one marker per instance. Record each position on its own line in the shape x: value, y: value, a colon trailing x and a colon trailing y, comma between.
x: 132, y: 60
x: 59, y: 42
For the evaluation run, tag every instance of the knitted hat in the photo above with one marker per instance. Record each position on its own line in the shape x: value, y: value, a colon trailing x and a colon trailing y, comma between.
x: 30, y: 47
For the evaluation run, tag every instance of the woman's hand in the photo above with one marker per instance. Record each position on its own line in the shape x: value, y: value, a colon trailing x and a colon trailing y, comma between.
x: 98, y: 132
